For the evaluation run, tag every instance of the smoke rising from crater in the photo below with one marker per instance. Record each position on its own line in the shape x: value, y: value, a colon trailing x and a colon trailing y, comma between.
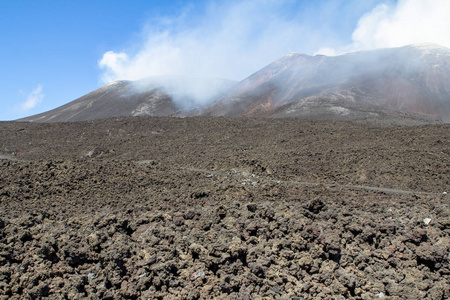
x: 406, y: 22
x: 233, y: 39
x: 227, y: 39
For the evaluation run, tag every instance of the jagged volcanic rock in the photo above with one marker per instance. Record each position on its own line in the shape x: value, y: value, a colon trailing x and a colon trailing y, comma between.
x: 224, y: 208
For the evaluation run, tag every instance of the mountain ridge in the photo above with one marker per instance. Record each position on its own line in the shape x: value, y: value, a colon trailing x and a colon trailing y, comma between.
x: 158, y: 96
x: 412, y: 79
x: 410, y: 82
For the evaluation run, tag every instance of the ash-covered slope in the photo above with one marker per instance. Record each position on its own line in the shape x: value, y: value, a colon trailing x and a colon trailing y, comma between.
x: 406, y: 85
x: 112, y: 100
x: 156, y: 96
x: 405, y: 82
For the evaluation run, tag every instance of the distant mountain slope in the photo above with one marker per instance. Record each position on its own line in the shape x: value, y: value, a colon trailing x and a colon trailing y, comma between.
x: 158, y: 96
x: 395, y: 85
x: 412, y: 79
x: 113, y: 100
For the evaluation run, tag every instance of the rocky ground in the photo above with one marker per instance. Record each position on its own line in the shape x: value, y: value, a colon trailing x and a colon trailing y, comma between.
x: 206, y: 208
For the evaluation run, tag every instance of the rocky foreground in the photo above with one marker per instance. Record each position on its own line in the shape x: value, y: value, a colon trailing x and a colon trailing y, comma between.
x: 161, y: 208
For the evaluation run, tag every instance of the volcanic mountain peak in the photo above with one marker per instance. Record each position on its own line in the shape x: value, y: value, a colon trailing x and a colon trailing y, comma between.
x: 429, y: 47
x: 402, y: 82
x: 153, y: 96
x: 115, y: 99
x: 413, y: 79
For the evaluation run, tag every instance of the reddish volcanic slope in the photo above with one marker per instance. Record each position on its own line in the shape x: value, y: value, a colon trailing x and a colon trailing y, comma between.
x: 113, y: 100
x: 412, y: 79
x: 406, y: 85
x: 154, y: 96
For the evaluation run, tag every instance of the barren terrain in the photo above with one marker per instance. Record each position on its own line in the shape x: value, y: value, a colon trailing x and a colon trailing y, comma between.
x: 219, y: 208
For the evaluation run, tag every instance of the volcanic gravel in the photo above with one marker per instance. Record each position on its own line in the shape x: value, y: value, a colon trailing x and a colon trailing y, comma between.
x: 218, y: 208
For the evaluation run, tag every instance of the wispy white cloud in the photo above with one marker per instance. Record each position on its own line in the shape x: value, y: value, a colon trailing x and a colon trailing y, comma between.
x: 232, y: 39
x: 33, y: 99
x: 227, y: 39
x: 402, y: 23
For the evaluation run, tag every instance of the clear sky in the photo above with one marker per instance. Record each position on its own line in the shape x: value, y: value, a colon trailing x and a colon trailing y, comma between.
x: 54, y: 51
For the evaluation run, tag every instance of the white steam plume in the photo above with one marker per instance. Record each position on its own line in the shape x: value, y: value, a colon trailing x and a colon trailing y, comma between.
x: 403, y: 23
x: 225, y: 39
x: 232, y: 39
x: 33, y: 99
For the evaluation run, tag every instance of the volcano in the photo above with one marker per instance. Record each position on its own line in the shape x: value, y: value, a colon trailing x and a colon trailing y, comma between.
x: 410, y: 81
x: 404, y: 85
x: 154, y: 96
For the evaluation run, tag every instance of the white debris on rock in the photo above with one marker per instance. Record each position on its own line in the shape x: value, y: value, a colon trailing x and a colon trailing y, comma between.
x: 426, y: 221
x: 199, y: 273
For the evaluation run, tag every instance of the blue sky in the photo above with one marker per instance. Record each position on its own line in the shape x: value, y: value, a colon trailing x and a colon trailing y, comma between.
x: 53, y: 52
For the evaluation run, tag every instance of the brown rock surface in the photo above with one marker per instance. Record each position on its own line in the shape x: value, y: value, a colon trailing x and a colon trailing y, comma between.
x: 203, y: 208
